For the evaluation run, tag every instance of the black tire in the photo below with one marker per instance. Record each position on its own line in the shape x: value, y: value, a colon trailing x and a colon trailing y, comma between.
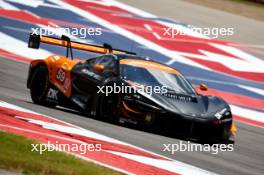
x: 226, y: 136
x: 39, y: 86
x: 109, y: 107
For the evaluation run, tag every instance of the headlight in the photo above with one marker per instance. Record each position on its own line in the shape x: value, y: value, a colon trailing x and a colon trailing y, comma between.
x: 221, y: 114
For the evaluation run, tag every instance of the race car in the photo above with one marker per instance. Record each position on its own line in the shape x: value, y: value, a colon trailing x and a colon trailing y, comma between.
x: 123, y: 87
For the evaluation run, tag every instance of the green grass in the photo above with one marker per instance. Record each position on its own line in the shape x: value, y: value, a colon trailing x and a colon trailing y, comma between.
x: 16, y: 155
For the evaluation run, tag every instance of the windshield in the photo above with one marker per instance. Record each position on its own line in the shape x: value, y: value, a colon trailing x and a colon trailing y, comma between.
x: 172, y: 80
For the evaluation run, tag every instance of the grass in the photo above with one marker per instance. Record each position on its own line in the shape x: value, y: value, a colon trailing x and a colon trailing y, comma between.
x: 16, y: 155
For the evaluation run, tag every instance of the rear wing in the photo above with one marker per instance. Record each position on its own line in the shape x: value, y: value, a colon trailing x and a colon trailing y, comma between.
x: 35, y: 40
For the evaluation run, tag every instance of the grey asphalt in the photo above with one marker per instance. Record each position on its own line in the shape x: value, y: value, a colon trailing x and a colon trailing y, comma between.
x: 247, y: 157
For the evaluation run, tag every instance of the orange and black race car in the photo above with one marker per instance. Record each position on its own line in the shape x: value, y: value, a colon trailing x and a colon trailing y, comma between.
x: 126, y: 88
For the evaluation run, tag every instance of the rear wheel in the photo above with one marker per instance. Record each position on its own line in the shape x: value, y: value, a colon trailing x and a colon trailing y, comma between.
x: 40, y: 86
x: 109, y: 107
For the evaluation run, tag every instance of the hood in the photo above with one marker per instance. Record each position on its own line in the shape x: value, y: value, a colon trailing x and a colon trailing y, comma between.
x: 195, y: 105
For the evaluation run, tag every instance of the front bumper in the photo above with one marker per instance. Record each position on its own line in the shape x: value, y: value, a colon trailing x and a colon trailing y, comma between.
x: 204, y: 129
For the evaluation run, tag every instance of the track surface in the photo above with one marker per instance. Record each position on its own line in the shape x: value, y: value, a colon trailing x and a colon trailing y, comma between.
x: 247, y: 30
x: 247, y: 157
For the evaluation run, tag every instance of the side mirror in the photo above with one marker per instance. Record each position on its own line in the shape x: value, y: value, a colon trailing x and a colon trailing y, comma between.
x: 99, y: 68
x: 203, y: 87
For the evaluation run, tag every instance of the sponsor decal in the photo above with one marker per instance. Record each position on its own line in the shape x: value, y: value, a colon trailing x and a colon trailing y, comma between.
x: 180, y: 97
x: 53, y: 94
x: 60, y: 75
x: 219, y: 114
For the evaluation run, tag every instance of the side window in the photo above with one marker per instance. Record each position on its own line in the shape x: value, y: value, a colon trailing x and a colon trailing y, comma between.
x: 90, y: 62
x: 108, y: 61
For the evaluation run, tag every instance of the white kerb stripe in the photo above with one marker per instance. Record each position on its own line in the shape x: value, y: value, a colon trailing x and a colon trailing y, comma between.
x: 172, y: 166
x: 7, y: 6
x: 18, y: 47
x: 247, y: 113
x: 253, y: 89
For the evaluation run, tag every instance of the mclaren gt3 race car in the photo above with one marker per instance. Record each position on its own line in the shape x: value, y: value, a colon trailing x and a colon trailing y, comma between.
x: 87, y: 86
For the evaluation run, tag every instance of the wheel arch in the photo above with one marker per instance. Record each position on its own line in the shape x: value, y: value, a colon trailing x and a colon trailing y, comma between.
x: 34, y: 65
